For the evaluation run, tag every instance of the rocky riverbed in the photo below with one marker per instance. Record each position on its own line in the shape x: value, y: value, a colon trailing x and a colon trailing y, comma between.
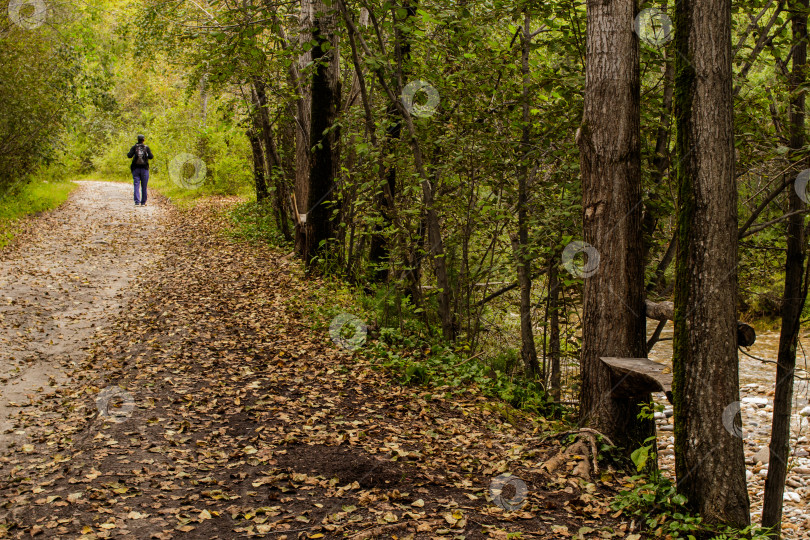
x: 757, y: 380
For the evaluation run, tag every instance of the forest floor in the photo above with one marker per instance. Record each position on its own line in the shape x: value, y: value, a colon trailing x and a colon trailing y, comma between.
x: 166, y: 382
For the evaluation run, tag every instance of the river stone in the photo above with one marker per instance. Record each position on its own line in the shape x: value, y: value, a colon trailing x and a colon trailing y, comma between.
x: 791, y: 496
x: 794, y: 483
x: 763, y: 455
x: 758, y: 401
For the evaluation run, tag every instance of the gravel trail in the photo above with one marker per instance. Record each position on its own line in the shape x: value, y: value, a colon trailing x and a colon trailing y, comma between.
x: 73, y: 270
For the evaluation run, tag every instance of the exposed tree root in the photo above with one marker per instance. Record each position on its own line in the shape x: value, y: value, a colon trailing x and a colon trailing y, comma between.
x: 583, y: 451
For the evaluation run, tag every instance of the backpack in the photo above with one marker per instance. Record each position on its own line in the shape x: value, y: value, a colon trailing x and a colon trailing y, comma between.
x: 141, y: 155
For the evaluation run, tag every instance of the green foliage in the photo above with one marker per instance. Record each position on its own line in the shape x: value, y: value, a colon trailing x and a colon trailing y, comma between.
x: 641, y: 455
x: 663, y: 513
x: 656, y: 505
x: 418, y: 361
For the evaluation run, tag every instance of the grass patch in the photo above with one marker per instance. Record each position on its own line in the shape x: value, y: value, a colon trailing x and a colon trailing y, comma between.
x: 27, y: 199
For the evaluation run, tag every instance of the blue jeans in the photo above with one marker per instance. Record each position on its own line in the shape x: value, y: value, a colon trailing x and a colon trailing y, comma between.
x: 140, y: 177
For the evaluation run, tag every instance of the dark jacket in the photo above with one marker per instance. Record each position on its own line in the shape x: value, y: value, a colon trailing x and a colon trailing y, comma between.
x: 131, y: 154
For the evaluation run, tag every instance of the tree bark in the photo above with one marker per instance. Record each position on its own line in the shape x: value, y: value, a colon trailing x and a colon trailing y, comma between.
x: 795, y: 293
x: 610, y: 162
x: 709, y: 459
x: 324, y: 136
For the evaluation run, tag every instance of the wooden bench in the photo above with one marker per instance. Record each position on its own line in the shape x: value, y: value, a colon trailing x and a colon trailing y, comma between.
x: 633, y: 377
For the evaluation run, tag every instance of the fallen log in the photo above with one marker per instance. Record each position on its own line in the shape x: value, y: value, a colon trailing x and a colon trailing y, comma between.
x: 665, y: 311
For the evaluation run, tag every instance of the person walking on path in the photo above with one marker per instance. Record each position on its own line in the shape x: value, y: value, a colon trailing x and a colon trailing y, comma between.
x: 140, y: 154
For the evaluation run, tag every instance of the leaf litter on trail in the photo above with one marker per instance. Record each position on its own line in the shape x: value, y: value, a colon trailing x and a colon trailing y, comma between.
x: 247, y: 423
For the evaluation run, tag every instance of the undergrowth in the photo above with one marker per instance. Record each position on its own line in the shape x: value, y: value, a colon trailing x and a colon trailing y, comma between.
x: 255, y: 222
x: 401, y: 341
x: 661, y: 512
x: 654, y: 503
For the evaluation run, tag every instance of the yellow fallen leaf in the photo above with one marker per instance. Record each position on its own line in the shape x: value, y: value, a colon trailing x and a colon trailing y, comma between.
x: 560, y: 529
x: 136, y: 515
x: 419, y: 503
x: 205, y: 514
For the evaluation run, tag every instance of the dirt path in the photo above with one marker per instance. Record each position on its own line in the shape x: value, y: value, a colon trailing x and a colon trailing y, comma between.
x: 234, y: 418
x: 73, y: 271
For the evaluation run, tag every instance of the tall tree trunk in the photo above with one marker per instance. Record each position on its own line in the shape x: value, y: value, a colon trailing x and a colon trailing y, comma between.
x: 324, y: 136
x: 275, y: 173
x: 528, y: 351
x: 709, y: 461
x: 378, y: 248
x: 610, y: 158
x: 554, y: 326
x: 432, y: 222
x: 258, y: 164
x: 795, y: 293
x: 300, y: 80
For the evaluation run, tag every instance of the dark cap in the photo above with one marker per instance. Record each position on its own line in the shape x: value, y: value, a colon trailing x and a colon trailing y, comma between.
x: 141, y: 138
